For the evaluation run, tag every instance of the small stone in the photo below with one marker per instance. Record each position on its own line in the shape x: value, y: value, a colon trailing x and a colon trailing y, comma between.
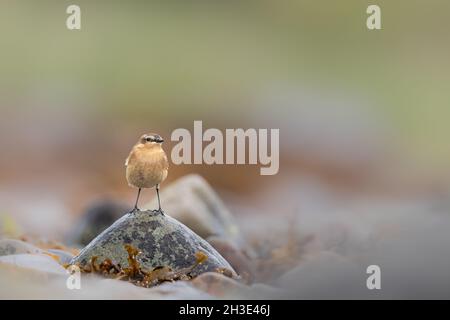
x: 217, y: 284
x: 12, y: 246
x: 97, y: 218
x: 34, y: 262
x: 224, y: 287
x: 235, y: 256
x: 160, y: 240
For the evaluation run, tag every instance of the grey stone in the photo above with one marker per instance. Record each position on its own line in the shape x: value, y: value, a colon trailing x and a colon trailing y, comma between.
x: 99, y: 216
x: 12, y: 246
x: 161, y: 240
x: 35, y: 262
x: 192, y: 201
x: 217, y: 284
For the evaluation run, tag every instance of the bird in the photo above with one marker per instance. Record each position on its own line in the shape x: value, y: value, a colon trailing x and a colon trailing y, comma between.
x: 147, y: 165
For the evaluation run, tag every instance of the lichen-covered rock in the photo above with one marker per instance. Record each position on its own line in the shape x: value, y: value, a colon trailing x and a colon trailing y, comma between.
x: 161, y: 240
x: 192, y: 201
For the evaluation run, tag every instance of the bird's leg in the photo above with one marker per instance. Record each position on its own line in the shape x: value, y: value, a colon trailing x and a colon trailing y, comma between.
x: 137, y: 199
x: 157, y: 193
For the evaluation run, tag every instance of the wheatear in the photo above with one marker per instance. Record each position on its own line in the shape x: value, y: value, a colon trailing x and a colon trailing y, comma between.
x: 147, y: 164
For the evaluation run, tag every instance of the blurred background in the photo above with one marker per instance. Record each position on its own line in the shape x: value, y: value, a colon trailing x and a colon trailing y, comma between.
x: 361, y: 113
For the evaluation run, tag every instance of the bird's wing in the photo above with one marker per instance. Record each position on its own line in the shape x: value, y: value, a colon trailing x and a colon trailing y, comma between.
x: 166, y: 166
x: 127, y: 160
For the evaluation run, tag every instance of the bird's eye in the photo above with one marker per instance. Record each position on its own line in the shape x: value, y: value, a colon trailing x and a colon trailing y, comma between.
x: 148, y: 139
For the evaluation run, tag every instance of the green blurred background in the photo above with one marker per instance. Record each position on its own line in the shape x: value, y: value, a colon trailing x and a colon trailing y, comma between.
x: 73, y: 102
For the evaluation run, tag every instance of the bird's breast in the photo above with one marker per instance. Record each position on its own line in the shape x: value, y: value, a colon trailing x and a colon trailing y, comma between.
x: 147, y: 168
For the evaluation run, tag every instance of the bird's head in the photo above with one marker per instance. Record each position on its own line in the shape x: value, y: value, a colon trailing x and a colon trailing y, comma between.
x: 151, y: 139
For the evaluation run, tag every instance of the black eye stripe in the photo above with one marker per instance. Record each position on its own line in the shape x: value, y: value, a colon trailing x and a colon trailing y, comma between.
x: 154, y: 138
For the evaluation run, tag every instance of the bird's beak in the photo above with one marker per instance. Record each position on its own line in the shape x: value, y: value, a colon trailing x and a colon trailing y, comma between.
x: 160, y: 140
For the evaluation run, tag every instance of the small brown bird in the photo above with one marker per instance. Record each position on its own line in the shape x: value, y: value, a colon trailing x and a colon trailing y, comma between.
x: 147, y: 164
